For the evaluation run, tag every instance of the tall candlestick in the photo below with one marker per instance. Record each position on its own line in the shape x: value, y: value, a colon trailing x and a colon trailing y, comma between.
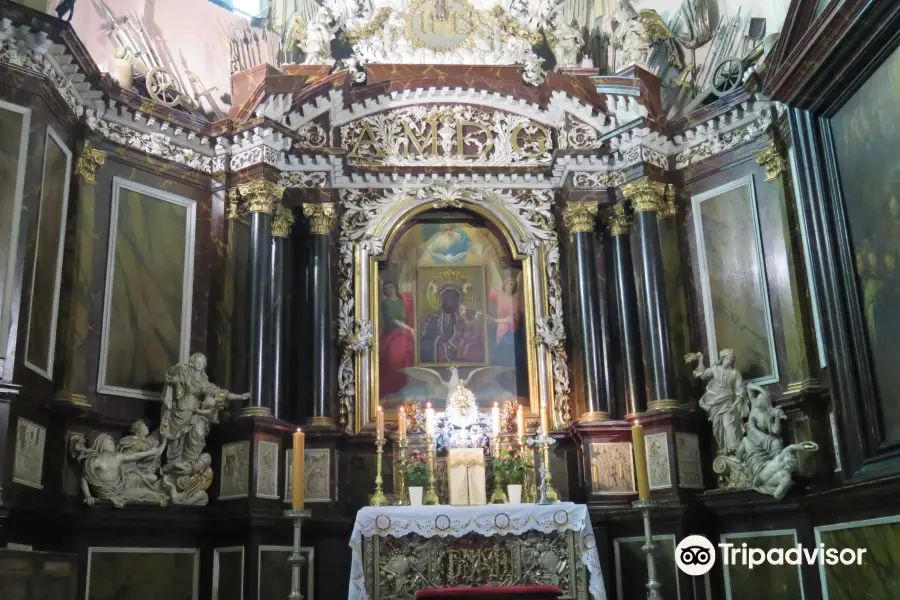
x: 495, y: 416
x: 379, y: 424
x: 297, y: 470
x: 401, y: 424
x: 429, y: 421
x: 520, y: 421
x: 640, y: 460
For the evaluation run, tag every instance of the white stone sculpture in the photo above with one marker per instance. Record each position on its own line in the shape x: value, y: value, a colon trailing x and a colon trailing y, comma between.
x: 634, y: 35
x: 747, y: 428
x: 566, y: 42
x: 112, y: 475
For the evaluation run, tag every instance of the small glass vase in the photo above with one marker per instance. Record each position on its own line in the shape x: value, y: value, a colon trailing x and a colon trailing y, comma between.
x: 514, y: 491
x: 415, y: 495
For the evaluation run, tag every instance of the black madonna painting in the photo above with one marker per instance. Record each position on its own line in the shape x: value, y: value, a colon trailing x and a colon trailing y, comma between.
x: 866, y: 138
x: 450, y: 304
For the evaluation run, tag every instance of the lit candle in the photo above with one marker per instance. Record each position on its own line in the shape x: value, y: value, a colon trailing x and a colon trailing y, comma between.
x: 429, y: 420
x: 297, y: 471
x: 495, y: 415
x: 545, y: 419
x: 520, y: 421
x: 640, y: 460
x: 379, y: 424
x: 401, y: 424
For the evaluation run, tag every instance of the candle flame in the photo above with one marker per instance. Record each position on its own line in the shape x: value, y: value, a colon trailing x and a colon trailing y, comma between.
x: 496, y: 405
x: 428, y: 405
x: 379, y: 408
x: 298, y: 430
x: 402, y: 409
x: 637, y: 422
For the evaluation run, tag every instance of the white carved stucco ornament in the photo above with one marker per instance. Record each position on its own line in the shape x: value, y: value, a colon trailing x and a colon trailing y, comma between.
x: 455, y: 32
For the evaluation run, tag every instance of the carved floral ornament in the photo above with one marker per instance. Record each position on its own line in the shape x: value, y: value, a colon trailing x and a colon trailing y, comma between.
x: 322, y: 217
x: 261, y: 196
x: 369, y: 217
x: 89, y: 160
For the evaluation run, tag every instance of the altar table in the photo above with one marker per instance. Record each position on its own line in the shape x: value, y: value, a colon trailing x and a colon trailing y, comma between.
x: 399, y: 550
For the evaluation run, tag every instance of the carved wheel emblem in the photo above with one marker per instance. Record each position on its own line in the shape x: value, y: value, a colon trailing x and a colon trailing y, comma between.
x: 441, y: 25
x: 442, y: 523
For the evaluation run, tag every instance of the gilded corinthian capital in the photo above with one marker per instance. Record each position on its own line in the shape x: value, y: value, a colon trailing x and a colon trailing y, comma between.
x: 579, y: 216
x: 284, y: 220
x: 322, y: 217
x: 645, y: 195
x: 617, y: 220
x: 772, y: 160
x: 88, y: 161
x: 261, y: 196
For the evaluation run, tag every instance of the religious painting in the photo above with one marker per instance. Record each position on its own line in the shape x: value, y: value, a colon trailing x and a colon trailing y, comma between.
x: 29, y: 460
x: 451, y: 310
x: 631, y: 558
x: 876, y: 577
x: 235, y: 476
x: 612, y: 468
x: 143, y: 573
x: 690, y: 469
x: 228, y: 573
x: 275, y: 572
x: 266, y: 469
x: 658, y: 472
x: 866, y: 135
x: 743, y: 582
x: 733, y: 279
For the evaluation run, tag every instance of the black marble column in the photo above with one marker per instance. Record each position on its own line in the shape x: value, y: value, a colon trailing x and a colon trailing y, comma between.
x: 619, y: 224
x: 261, y: 198
x: 647, y: 198
x: 281, y: 285
x: 579, y: 219
x: 322, y: 218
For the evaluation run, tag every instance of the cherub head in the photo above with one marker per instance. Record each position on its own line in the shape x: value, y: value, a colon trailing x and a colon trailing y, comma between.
x: 140, y: 429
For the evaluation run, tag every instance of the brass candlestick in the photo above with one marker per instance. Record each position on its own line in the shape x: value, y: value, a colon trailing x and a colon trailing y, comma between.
x: 528, y: 491
x: 653, y: 586
x: 400, y: 474
x: 546, y: 478
x: 296, y: 559
x: 378, y: 498
x: 430, y: 496
x: 498, y: 496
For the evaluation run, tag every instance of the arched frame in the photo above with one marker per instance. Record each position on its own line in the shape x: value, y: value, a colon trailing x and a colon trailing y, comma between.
x: 372, y: 222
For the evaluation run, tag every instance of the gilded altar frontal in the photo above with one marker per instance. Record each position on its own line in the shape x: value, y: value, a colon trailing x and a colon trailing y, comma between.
x: 419, y: 299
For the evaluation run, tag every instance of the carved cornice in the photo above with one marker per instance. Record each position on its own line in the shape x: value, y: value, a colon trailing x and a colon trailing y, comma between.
x: 618, y: 222
x: 322, y: 217
x: 261, y: 196
x: 283, y: 221
x: 88, y: 161
x: 772, y: 160
x: 645, y: 195
x: 579, y: 216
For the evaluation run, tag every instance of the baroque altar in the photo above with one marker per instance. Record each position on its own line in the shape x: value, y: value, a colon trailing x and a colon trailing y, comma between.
x: 400, y: 550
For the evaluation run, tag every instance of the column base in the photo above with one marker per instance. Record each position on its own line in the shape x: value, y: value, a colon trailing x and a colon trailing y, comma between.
x: 321, y: 422
x: 72, y: 399
x: 807, y: 385
x: 662, y: 405
x: 255, y: 411
x: 594, y: 416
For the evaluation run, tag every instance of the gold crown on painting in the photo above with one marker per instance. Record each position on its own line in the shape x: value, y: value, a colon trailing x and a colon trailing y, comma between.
x: 449, y: 279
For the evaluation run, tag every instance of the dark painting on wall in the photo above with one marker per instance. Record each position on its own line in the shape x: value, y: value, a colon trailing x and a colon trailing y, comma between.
x: 763, y: 581
x: 142, y: 574
x: 876, y: 577
x: 13, y: 146
x: 451, y: 296
x: 149, y: 285
x: 733, y: 279
x: 866, y: 137
x: 48, y: 250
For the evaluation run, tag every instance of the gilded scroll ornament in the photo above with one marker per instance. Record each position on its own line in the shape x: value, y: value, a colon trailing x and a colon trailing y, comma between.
x: 579, y: 216
x: 87, y: 163
x: 235, y: 210
x: 667, y: 208
x: 645, y: 195
x: 283, y: 221
x: 772, y: 160
x: 617, y: 220
x: 261, y: 196
x: 322, y: 217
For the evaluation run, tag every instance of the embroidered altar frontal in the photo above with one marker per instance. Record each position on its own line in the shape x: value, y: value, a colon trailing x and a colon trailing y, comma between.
x: 398, y: 551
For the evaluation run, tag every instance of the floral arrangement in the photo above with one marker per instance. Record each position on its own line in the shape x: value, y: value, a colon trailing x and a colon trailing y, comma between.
x: 415, y: 469
x: 511, y: 467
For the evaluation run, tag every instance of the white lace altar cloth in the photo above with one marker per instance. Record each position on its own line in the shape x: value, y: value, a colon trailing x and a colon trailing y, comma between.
x: 488, y: 520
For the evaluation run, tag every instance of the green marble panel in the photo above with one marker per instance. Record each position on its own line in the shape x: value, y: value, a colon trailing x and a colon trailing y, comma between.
x: 275, y: 572
x: 772, y: 582
x: 142, y: 575
x: 676, y: 301
x: 12, y: 150
x: 48, y: 257
x: 878, y: 578
x: 229, y: 583
x: 144, y: 329
x: 631, y: 568
x: 735, y: 280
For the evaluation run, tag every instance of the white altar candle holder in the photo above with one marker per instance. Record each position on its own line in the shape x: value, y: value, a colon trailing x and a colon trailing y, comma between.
x: 653, y: 585
x: 296, y: 559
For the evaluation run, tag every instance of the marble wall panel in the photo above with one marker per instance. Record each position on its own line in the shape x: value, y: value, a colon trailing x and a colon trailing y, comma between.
x: 275, y: 572
x: 733, y: 279
x: 228, y: 573
x: 877, y: 577
x: 142, y: 573
x: 763, y: 581
x: 631, y: 567
x: 48, y: 244
x: 670, y: 237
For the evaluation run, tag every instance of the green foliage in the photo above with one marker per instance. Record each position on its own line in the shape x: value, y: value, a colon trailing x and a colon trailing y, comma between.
x: 511, y: 467
x: 415, y: 469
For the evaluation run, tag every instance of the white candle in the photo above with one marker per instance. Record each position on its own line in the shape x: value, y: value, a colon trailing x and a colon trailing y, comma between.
x: 401, y: 424
x: 520, y: 421
x: 495, y: 415
x: 429, y: 420
x: 379, y: 424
